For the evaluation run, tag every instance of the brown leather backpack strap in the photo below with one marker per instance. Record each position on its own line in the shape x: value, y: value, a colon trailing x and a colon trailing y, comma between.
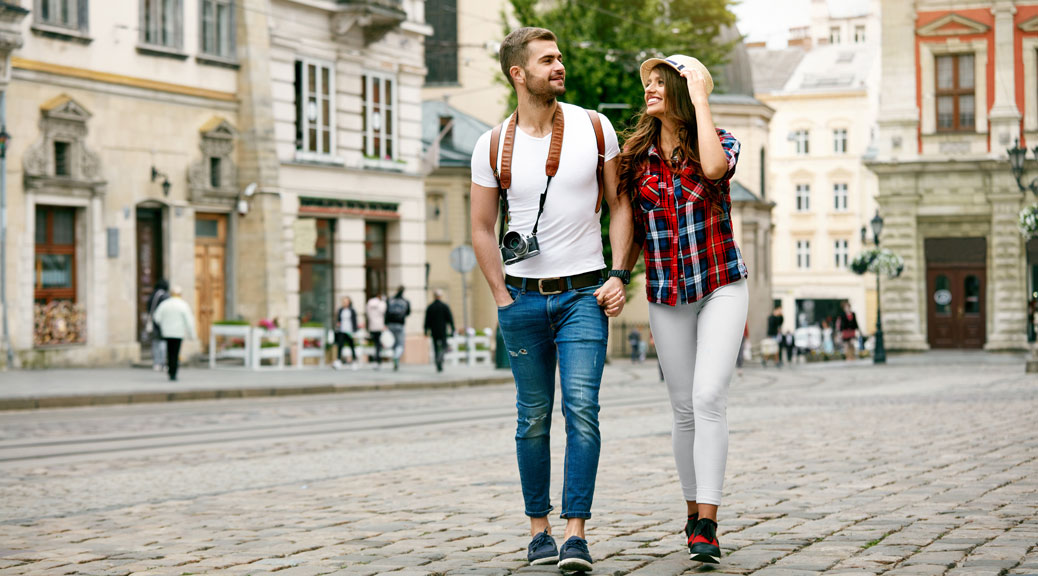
x: 596, y: 122
x: 506, y: 153
x: 495, y: 140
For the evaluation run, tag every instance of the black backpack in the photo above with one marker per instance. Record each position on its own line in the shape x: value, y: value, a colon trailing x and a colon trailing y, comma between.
x: 397, y: 310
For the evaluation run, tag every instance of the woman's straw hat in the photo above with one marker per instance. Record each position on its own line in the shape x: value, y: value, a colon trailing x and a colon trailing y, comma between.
x: 678, y: 62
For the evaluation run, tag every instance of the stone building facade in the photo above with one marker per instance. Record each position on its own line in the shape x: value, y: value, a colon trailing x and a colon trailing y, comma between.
x: 252, y: 152
x: 959, y: 87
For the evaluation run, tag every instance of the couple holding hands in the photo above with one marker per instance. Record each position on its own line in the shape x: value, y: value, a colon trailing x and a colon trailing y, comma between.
x: 668, y: 195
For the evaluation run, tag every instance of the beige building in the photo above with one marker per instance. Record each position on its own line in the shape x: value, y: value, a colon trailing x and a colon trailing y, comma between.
x: 959, y: 87
x: 263, y: 155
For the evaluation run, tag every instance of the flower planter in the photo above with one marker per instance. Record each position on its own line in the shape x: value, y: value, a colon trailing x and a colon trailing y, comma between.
x: 221, y: 334
x: 311, y: 335
x: 267, y: 345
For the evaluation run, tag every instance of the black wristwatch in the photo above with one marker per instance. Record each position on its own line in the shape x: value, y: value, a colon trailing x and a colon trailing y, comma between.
x: 623, y: 275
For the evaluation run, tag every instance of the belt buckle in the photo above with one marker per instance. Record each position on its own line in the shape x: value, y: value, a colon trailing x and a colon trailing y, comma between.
x: 540, y: 286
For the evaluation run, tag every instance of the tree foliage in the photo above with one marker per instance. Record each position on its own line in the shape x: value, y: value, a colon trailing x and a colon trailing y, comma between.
x: 604, y: 41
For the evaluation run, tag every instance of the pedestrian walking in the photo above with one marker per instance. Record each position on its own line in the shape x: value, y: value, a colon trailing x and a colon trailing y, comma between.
x: 847, y: 327
x: 677, y: 168
x: 376, y: 313
x: 397, y: 311
x: 554, y: 298
x: 345, y: 327
x: 634, y: 338
x: 438, y: 318
x: 158, y: 343
x: 177, y: 322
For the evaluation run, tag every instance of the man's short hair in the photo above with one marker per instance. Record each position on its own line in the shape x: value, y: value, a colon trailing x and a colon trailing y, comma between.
x: 514, y: 47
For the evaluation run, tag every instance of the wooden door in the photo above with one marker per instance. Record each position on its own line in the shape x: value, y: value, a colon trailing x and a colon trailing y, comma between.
x: 955, y: 302
x: 210, y: 248
x: 149, y: 261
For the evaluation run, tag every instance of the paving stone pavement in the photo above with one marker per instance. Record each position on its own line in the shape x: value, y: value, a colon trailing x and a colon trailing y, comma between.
x: 916, y: 469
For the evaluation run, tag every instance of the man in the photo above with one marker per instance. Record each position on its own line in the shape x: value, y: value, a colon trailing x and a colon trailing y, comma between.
x: 775, y: 331
x: 397, y: 311
x: 552, y: 304
x: 437, y: 318
x: 177, y: 322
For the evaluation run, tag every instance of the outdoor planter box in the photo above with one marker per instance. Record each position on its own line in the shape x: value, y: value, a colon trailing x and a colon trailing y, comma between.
x: 258, y: 352
x: 313, y: 334
x: 229, y: 332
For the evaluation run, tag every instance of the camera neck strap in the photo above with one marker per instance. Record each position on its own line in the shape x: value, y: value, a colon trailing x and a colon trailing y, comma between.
x: 504, y: 177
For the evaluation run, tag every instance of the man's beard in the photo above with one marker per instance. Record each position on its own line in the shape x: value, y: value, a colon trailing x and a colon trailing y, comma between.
x: 544, y: 89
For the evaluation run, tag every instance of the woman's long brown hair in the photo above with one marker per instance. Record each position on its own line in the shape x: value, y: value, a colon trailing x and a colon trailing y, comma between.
x: 646, y: 132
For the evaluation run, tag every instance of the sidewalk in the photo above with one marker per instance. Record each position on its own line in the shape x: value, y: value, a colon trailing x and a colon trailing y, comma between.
x: 30, y: 389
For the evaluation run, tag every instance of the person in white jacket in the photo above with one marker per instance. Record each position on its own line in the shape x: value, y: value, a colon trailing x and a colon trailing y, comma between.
x: 177, y: 322
x: 376, y: 313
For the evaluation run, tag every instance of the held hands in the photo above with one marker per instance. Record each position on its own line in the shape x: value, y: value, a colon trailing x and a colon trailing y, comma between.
x: 696, y: 85
x: 611, y: 297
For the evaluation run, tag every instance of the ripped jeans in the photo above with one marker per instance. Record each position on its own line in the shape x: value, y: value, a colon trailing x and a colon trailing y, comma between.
x: 569, y: 329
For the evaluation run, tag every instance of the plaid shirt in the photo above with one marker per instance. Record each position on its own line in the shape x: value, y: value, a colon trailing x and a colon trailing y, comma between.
x: 684, y: 221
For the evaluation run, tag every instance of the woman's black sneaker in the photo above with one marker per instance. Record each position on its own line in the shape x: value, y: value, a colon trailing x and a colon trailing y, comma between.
x: 702, y: 544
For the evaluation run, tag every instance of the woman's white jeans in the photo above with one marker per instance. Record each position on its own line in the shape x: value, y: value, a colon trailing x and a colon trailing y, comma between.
x: 698, y: 344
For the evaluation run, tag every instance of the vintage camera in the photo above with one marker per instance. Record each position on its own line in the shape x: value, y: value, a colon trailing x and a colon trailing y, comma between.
x: 515, y: 247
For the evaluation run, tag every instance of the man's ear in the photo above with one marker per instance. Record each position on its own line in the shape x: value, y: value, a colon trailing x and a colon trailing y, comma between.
x: 518, y: 74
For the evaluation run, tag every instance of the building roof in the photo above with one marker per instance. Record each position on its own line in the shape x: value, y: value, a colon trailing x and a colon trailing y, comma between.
x: 739, y: 193
x: 839, y: 68
x: 736, y: 76
x: 773, y: 68
x: 456, y: 149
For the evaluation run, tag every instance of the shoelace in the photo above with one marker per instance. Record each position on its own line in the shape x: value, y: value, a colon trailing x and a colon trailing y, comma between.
x: 578, y: 544
x: 541, y: 539
x: 707, y: 530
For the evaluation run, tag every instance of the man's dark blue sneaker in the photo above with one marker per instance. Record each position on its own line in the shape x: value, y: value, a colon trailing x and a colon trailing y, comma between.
x: 542, y: 550
x: 574, y: 556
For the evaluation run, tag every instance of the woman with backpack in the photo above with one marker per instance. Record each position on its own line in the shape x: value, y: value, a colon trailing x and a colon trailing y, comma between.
x: 397, y: 311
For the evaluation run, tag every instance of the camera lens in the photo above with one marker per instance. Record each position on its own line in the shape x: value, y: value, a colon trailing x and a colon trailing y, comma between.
x: 513, y: 241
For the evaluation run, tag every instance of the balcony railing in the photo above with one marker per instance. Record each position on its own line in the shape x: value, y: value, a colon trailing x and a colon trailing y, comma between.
x: 374, y: 17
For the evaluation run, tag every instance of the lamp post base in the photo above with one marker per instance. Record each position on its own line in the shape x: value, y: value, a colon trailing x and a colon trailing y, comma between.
x: 879, y: 353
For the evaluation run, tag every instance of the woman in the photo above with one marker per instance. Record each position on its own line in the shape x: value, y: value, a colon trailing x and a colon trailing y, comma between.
x: 345, y: 326
x: 177, y: 322
x: 847, y: 326
x: 676, y: 165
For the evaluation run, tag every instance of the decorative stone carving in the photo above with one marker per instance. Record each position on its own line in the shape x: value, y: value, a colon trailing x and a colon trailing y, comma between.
x: 64, y: 120
x: 217, y: 141
x: 375, y: 17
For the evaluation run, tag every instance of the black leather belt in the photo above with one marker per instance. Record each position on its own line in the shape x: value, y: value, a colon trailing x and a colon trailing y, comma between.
x: 558, y: 285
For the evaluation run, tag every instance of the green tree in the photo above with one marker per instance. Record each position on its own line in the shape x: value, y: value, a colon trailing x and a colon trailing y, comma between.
x: 604, y: 41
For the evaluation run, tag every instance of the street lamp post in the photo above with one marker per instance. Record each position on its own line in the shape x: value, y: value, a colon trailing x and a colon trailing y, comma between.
x: 879, y: 355
x: 1017, y: 157
x: 4, y: 139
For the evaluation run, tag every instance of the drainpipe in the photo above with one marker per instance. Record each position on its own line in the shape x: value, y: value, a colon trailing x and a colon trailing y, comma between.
x: 3, y: 230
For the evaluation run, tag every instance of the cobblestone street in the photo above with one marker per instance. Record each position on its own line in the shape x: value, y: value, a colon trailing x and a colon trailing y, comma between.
x: 915, y: 468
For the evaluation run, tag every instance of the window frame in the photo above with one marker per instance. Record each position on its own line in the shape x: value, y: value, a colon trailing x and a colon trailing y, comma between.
x: 840, y: 192
x: 801, y: 141
x: 367, y: 137
x: 859, y: 38
x: 803, y: 197
x: 835, y: 35
x: 203, y: 36
x: 839, y: 141
x: 841, y: 251
x: 149, y: 27
x: 956, y: 92
x: 77, y: 12
x: 302, y: 97
x: 49, y: 247
x: 803, y: 252
x: 442, y: 46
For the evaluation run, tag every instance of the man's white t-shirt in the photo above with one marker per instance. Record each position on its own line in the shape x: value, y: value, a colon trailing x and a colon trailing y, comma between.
x: 570, y: 232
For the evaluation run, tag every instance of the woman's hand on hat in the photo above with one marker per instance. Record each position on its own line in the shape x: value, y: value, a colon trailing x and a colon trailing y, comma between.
x: 696, y: 85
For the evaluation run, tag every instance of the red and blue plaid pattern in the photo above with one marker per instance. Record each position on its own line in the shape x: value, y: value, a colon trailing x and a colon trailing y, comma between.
x: 684, y: 221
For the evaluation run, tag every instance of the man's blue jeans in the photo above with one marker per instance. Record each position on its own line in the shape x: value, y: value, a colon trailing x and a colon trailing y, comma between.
x: 539, y: 330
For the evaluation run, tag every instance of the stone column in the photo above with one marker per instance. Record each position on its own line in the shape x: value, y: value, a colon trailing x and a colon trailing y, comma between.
x: 1005, y: 116
x: 898, y: 114
x: 261, y: 243
x: 903, y: 310
x: 1006, y: 300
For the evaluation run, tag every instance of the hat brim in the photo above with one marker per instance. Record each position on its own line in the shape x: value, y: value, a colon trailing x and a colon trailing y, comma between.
x: 646, y: 68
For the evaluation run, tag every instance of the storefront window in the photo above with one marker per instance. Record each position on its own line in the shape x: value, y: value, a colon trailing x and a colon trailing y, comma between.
x: 316, y: 285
